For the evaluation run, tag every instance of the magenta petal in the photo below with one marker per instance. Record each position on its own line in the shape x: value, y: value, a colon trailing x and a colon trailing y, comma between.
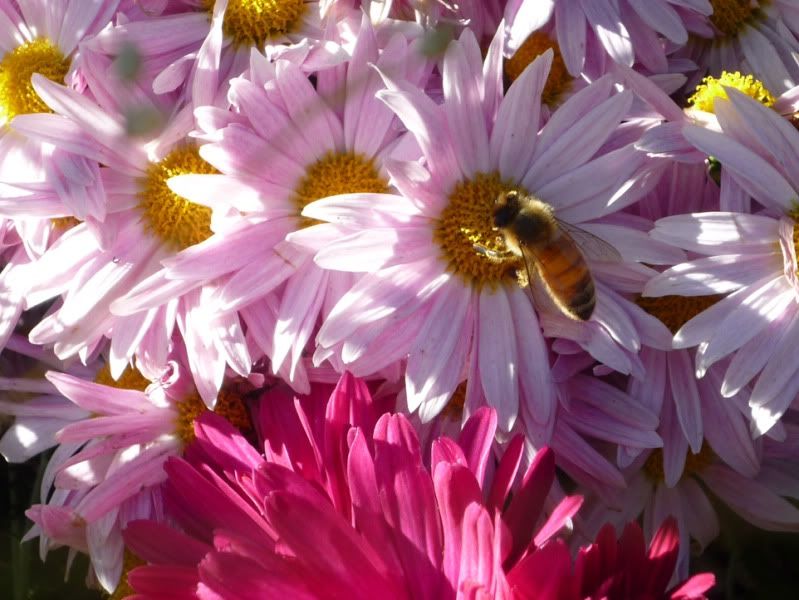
x: 477, y: 439
x: 505, y: 474
x: 545, y: 573
x: 409, y: 504
x: 456, y: 490
x: 525, y: 507
x: 157, y: 543
x: 327, y: 543
x: 558, y: 519
x: 153, y: 581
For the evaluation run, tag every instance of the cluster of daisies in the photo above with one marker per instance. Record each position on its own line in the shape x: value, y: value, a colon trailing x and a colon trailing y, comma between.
x: 255, y: 304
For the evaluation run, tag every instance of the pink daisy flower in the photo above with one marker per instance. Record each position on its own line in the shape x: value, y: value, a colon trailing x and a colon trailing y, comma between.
x: 750, y: 257
x: 355, y: 483
x: 43, y: 412
x: 146, y: 224
x: 430, y: 294
x: 751, y: 36
x: 39, y: 37
x: 762, y: 499
x: 481, y: 17
x: 108, y: 467
x: 626, y: 31
x: 288, y: 144
x: 193, y: 47
x: 691, y: 412
x: 666, y: 139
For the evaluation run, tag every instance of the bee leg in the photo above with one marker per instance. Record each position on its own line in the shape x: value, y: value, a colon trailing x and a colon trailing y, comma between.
x: 492, y: 254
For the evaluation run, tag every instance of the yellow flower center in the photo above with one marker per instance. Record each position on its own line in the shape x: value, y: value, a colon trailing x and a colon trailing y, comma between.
x: 794, y: 214
x: 730, y: 16
x: 254, y: 22
x: 229, y: 405
x: 470, y: 245
x: 694, y: 463
x: 64, y: 223
x: 130, y: 379
x: 676, y: 311
x: 454, y: 408
x: 129, y: 562
x: 337, y: 173
x: 172, y: 218
x: 17, y: 96
x: 712, y: 88
x: 558, y: 80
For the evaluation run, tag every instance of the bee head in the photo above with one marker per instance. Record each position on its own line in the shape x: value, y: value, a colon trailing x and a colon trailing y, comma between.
x: 506, y: 207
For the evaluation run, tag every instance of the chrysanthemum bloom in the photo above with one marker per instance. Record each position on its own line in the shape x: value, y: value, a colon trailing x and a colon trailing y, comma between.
x: 39, y: 37
x: 146, y: 224
x: 751, y: 36
x: 691, y: 412
x: 481, y: 17
x: 441, y: 287
x: 765, y: 499
x: 608, y: 568
x: 39, y: 410
x: 44, y: 38
x: 626, y: 31
x: 343, y: 505
x: 108, y: 467
x: 593, y: 417
x: 667, y: 140
x: 196, y: 49
x: 288, y: 144
x: 750, y: 257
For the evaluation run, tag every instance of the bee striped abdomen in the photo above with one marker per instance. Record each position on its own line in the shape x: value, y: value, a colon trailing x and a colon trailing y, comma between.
x: 565, y: 273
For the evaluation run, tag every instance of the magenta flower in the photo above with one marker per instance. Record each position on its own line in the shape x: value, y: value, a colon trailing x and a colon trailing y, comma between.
x: 342, y: 504
x: 610, y: 569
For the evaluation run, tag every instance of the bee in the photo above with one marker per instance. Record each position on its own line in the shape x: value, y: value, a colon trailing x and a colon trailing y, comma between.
x: 548, y: 248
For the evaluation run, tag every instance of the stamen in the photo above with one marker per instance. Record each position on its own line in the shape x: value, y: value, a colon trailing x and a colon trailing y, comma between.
x: 172, y: 218
x: 337, y: 173
x: 794, y: 214
x: 64, y: 223
x: 229, y: 405
x: 454, y: 408
x: 470, y: 245
x: 694, y: 463
x: 17, y: 96
x: 130, y: 379
x: 676, y: 311
x: 129, y: 562
x: 558, y: 82
x: 254, y: 22
x: 712, y: 88
x: 731, y: 16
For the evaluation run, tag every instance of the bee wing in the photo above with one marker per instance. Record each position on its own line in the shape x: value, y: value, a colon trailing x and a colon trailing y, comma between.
x: 591, y: 246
